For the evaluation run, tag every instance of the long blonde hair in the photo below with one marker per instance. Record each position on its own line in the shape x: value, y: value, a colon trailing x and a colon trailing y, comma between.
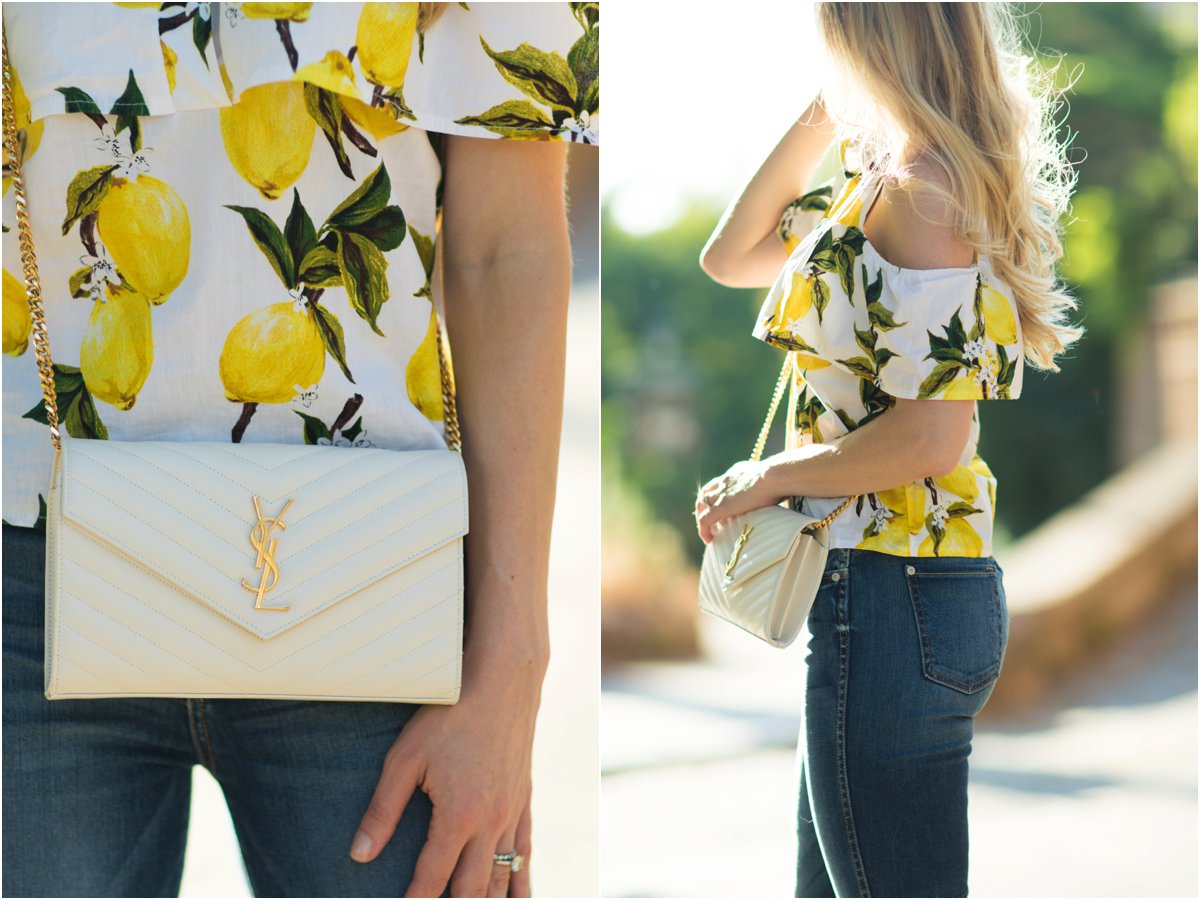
x: 950, y: 80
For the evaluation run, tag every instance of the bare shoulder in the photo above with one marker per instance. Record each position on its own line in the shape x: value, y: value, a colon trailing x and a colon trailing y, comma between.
x: 914, y: 230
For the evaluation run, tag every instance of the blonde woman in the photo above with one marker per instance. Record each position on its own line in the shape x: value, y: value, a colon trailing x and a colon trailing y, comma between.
x: 919, y: 280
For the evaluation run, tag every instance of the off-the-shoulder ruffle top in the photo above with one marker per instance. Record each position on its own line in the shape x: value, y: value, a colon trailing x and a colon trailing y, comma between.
x: 234, y: 210
x: 865, y: 332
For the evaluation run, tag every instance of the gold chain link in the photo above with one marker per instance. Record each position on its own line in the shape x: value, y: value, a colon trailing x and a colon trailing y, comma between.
x: 33, y: 285
x: 761, y: 443
x: 33, y: 288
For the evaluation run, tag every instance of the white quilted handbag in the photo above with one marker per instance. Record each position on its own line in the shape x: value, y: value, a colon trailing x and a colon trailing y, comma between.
x: 762, y: 569
x: 192, y: 569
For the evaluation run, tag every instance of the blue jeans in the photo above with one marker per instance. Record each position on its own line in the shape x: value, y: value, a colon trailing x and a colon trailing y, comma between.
x: 903, y: 653
x: 96, y: 791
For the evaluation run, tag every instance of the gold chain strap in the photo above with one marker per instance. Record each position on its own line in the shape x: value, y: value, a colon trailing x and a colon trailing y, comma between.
x: 33, y: 285
x: 756, y: 455
x: 33, y: 288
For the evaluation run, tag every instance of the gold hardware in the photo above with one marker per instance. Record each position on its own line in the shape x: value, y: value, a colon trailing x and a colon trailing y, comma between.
x: 737, y: 550
x: 261, y: 540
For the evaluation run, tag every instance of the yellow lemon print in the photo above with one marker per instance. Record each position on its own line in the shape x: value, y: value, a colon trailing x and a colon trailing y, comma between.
x: 961, y: 482
x: 980, y: 468
x: 225, y: 80
x: 118, y: 348
x: 21, y: 111
x: 268, y: 136
x: 16, y: 316
x: 170, y: 58
x: 378, y: 122
x: 914, y: 498
x: 894, y: 536
x: 269, y: 352
x: 293, y: 12
x: 334, y: 73
x: 964, y: 387
x: 799, y: 299
x: 850, y: 215
x: 809, y: 363
x: 837, y: 208
x: 144, y: 224
x: 423, y: 376
x: 960, y: 540
x: 999, y: 323
x: 384, y: 39
x: 791, y: 242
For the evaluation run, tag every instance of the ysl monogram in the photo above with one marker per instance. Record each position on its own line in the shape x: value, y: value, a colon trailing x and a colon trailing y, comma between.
x: 264, y: 543
x: 737, y: 551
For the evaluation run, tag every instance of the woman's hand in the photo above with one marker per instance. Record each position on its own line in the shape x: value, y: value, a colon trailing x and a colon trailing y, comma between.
x: 743, y: 487
x: 504, y: 276
x: 473, y: 760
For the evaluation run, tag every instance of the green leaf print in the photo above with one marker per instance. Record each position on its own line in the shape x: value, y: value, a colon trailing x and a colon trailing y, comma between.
x: 201, y: 33
x: 543, y: 76
x: 325, y: 107
x: 584, y: 60
x: 85, y: 193
x: 270, y: 241
x: 78, y: 101
x: 860, y: 366
x: 75, y: 282
x: 1008, y: 371
x: 314, y: 428
x: 351, y: 434
x: 425, y: 250
x: 939, y: 379
x: 587, y: 14
x: 333, y: 337
x: 878, y: 315
x: 320, y: 269
x: 397, y: 106
x: 131, y: 102
x: 846, y: 419
x: 977, y: 330
x: 364, y: 203
x: 299, y: 230
x: 363, y: 275
x: 76, y: 410
x: 512, y: 118
x: 386, y: 229
x: 961, y: 508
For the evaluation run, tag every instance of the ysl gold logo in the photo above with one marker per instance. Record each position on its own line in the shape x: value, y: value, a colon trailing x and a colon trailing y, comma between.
x: 737, y: 551
x: 264, y: 543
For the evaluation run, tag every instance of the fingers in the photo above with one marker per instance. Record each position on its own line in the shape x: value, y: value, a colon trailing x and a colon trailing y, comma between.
x: 518, y: 883
x: 397, y: 782
x: 443, y: 845
x: 499, y: 884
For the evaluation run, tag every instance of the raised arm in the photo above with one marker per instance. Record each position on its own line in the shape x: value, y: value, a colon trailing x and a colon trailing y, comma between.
x: 744, y: 250
x: 506, y: 270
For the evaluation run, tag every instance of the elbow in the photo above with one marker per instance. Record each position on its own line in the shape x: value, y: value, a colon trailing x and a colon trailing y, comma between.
x: 714, y: 264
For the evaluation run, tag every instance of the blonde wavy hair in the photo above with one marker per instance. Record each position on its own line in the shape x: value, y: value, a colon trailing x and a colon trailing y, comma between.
x: 950, y: 81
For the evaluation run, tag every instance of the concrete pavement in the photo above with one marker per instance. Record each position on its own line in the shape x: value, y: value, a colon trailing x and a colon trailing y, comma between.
x: 1091, y: 795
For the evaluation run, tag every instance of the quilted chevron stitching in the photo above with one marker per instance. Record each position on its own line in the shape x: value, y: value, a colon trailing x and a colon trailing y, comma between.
x: 120, y: 657
x: 266, y: 634
x: 323, y: 636
x: 291, y: 489
x: 86, y: 671
x: 145, y: 462
x: 383, y: 634
x: 414, y: 650
x: 133, y: 630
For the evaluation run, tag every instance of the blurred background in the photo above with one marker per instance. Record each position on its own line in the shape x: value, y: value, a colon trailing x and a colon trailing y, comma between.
x: 565, y: 861
x: 1083, y: 775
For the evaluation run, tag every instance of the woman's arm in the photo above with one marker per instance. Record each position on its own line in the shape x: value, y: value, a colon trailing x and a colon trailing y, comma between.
x: 745, y: 250
x: 506, y: 270
x: 913, y: 440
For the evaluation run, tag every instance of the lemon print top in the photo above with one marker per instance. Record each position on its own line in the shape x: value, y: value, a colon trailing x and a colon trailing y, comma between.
x: 864, y: 332
x: 234, y: 207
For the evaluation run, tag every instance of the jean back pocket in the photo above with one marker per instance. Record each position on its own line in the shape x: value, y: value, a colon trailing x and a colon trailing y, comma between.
x: 962, y: 621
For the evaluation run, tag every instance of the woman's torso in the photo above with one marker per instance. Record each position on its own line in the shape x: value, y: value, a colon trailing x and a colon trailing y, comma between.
x: 864, y: 332
x: 234, y: 209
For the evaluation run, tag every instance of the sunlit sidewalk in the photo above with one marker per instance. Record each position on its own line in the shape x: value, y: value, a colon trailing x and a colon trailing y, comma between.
x: 1093, y: 796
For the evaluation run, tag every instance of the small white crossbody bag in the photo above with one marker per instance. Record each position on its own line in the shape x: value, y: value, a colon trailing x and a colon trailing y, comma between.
x: 194, y: 569
x: 762, y: 569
